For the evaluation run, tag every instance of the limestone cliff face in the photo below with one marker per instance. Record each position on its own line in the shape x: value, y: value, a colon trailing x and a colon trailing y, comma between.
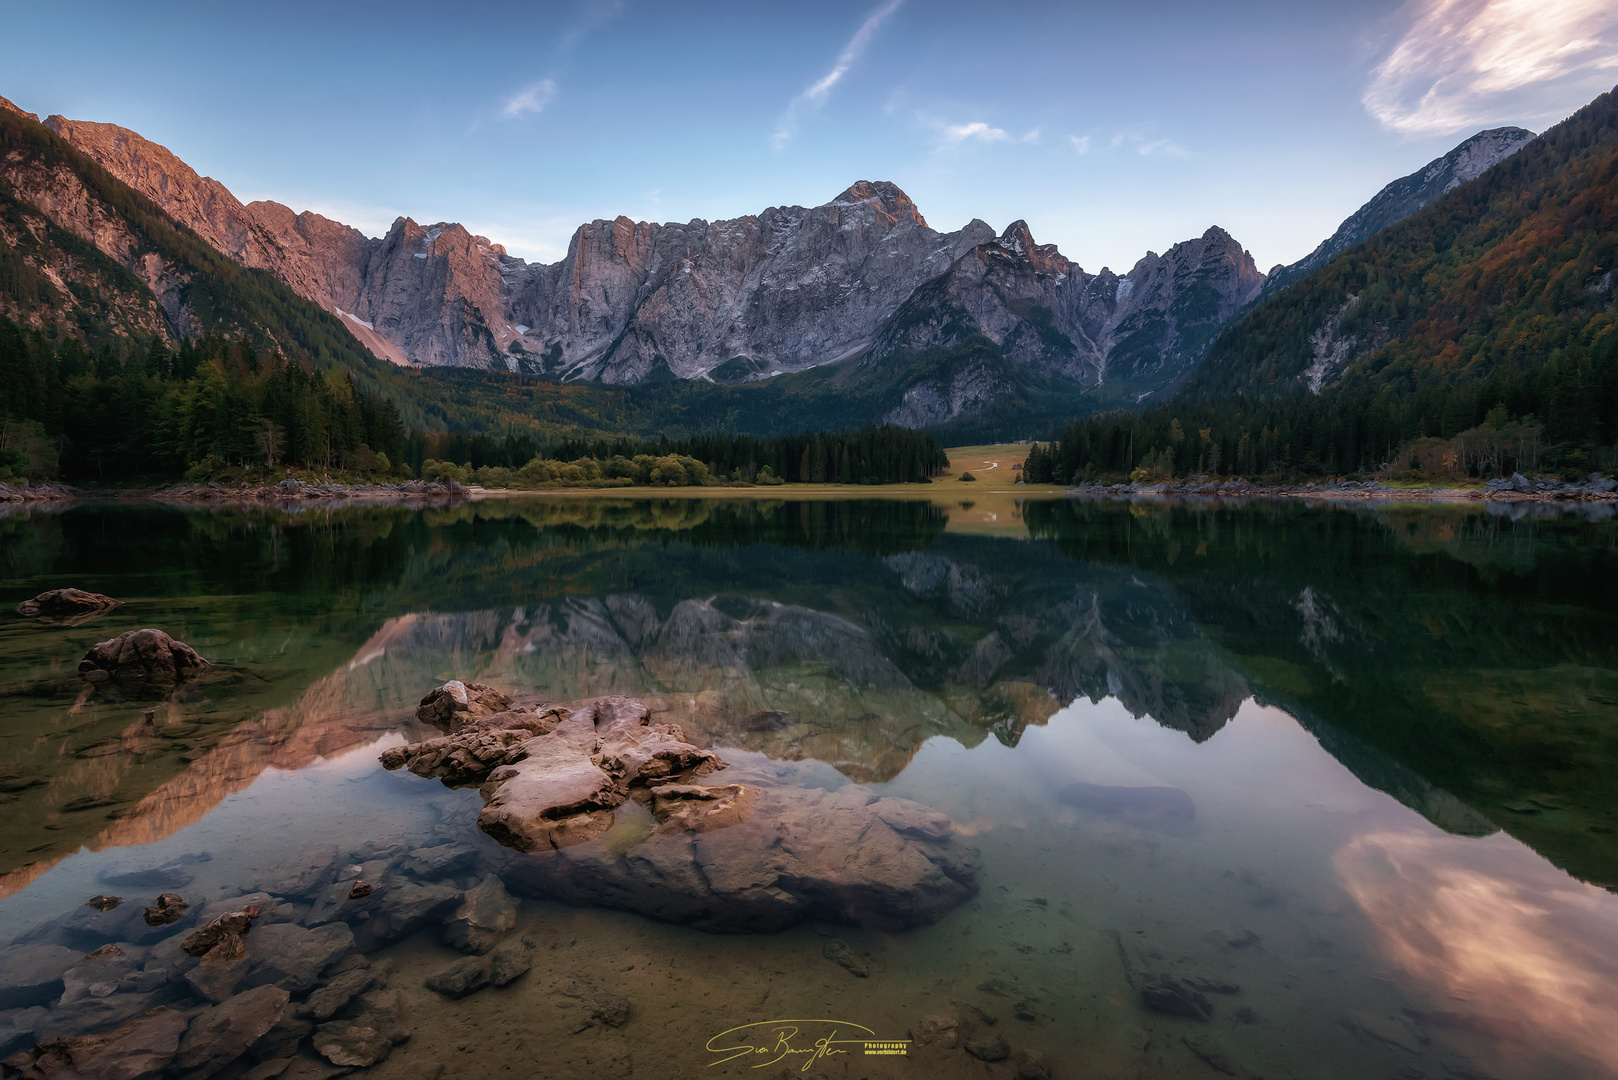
x: 1140, y: 333
x: 784, y: 290
x: 45, y: 196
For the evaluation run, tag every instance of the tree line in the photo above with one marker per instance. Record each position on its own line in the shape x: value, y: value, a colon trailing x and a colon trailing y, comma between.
x: 204, y: 407
x: 1562, y: 418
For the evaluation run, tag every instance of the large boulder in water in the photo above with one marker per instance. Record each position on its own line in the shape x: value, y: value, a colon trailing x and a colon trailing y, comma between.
x: 722, y: 857
x: 67, y: 602
x: 142, y: 658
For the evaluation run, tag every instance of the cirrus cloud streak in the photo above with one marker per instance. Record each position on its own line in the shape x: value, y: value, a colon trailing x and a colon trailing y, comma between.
x: 1464, y: 62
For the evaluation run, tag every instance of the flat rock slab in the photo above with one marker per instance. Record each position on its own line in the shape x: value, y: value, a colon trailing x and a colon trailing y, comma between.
x: 804, y: 853
x: 138, y: 1050
x: 292, y: 958
x: 32, y: 974
x: 221, y: 1034
x: 67, y: 602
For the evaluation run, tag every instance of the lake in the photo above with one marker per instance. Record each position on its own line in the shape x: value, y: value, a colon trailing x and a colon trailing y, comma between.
x: 1110, y: 789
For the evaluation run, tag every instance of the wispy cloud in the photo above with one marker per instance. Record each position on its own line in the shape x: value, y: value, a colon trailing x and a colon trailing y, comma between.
x: 530, y: 99
x: 817, y: 93
x: 978, y: 130
x: 1081, y: 143
x: 1459, y: 59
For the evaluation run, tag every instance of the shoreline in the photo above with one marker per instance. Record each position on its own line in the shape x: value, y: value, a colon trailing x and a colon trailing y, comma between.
x: 943, y: 491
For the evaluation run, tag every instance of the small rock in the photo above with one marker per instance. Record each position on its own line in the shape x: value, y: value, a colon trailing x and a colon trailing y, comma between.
x: 937, y: 1030
x: 487, y: 912
x: 360, y: 890
x: 994, y: 1049
x: 461, y: 978
x: 1172, y: 998
x: 455, y: 704
x: 841, y: 955
x: 168, y: 909
x: 327, y: 1001
x: 104, y: 903
x: 343, y: 1043
x: 509, y: 961
x: 227, y: 930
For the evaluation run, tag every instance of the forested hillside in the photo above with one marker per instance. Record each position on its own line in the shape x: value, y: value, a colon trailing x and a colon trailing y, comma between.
x: 1479, y: 334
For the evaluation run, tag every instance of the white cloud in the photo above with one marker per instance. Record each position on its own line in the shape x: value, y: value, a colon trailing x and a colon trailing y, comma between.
x: 530, y: 99
x: 1459, y: 59
x: 1163, y: 148
x: 1081, y: 143
x: 960, y: 133
x: 817, y: 93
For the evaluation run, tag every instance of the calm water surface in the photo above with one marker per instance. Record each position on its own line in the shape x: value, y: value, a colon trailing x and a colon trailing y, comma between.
x: 1350, y: 771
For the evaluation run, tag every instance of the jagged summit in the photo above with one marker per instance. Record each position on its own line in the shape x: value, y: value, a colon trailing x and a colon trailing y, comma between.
x: 19, y: 110
x: 888, y: 197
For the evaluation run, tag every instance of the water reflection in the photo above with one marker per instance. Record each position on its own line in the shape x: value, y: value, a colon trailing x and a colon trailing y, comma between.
x: 1189, y: 742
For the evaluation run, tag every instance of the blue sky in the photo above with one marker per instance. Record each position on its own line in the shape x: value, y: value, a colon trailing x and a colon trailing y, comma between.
x: 1112, y: 128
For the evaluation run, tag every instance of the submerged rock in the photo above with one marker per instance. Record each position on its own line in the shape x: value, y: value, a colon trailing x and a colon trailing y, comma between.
x: 342, y: 1042
x: 68, y: 602
x: 221, y: 1034
x: 142, y: 658
x: 1145, y: 803
x: 104, y: 903
x: 486, y: 914
x: 32, y: 974
x: 292, y: 958
x: 141, y: 1048
x: 460, y: 978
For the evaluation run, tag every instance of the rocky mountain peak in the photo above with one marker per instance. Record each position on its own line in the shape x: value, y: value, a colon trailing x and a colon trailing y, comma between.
x: 1016, y: 238
x: 893, y: 203
x: 1468, y: 161
x: 5, y: 104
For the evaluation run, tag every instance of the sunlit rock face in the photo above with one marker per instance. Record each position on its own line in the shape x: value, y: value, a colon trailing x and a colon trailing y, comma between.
x: 736, y: 300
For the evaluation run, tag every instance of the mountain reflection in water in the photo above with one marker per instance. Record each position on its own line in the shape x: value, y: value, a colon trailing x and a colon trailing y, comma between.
x: 1454, y: 660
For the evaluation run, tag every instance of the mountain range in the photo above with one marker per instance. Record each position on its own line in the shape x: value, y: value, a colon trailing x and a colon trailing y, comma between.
x: 930, y: 326
x: 853, y: 311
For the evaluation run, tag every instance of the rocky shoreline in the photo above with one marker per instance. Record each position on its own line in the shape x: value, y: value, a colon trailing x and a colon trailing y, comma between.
x: 1515, y: 488
x: 23, y: 491
x: 290, y: 490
